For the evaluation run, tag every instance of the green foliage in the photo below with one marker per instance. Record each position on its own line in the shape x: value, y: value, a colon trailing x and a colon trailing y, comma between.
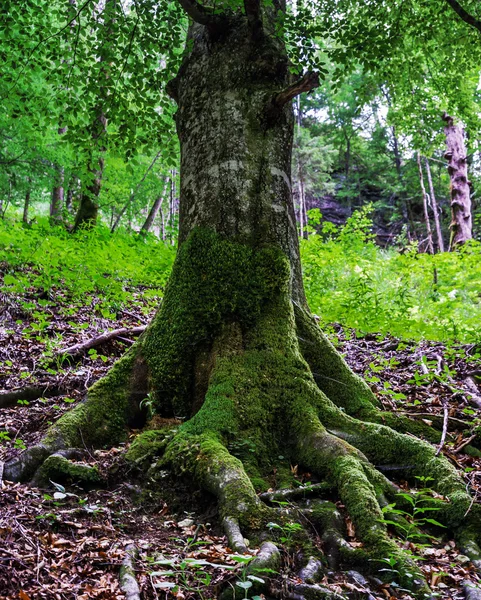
x: 352, y: 281
x: 49, y: 261
x: 419, y: 515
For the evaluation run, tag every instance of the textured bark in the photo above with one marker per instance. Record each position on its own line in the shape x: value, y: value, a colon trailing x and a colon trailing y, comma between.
x: 235, y: 165
x: 434, y: 205
x: 425, y: 207
x: 461, y: 219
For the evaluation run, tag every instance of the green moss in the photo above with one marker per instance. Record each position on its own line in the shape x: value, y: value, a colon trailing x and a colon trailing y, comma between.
x: 57, y: 468
x: 330, y: 371
x: 213, y: 282
x: 146, y: 445
x: 217, y: 471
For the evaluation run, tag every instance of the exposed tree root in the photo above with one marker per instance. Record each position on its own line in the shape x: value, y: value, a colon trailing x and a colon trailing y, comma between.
x: 258, y: 384
x: 128, y: 582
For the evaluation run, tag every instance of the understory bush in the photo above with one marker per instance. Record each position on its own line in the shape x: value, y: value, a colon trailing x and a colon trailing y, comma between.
x: 50, y: 260
x: 350, y: 280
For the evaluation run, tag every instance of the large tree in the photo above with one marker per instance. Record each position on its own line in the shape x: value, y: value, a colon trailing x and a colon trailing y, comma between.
x: 233, y: 353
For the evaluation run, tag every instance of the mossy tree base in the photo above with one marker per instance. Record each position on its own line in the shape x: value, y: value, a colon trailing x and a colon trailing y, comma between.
x: 247, y: 372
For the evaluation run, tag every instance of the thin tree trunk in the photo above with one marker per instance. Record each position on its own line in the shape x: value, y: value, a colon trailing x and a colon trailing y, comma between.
x: 69, y: 200
x: 155, y: 209
x: 434, y: 206
x: 162, y: 224
x: 425, y: 206
x: 57, y: 197
x: 300, y: 178
x: 116, y: 223
x: 461, y: 219
x: 172, y: 207
x: 87, y: 213
x: 26, y: 204
x: 4, y: 205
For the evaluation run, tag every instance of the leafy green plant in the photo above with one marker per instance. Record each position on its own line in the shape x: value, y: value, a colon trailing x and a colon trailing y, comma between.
x: 287, y: 531
x: 421, y: 507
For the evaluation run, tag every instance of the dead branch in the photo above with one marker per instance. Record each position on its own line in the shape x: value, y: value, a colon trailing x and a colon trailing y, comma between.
x: 307, y: 83
x: 11, y: 397
x: 100, y: 339
x: 464, y: 15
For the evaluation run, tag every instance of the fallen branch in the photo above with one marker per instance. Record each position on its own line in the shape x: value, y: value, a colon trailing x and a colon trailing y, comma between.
x: 128, y: 583
x: 464, y: 443
x: 100, y: 339
x: 11, y: 397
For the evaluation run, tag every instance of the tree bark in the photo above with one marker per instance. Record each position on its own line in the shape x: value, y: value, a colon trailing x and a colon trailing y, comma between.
x: 26, y: 204
x: 461, y: 219
x: 425, y: 206
x: 434, y: 206
x: 56, y: 201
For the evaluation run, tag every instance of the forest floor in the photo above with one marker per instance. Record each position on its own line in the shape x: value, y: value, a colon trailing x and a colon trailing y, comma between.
x: 65, y: 544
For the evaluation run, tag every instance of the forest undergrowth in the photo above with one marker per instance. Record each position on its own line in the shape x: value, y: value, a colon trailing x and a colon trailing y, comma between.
x: 60, y: 290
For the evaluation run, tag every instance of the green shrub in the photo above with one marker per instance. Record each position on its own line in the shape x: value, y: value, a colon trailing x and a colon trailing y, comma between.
x: 352, y: 281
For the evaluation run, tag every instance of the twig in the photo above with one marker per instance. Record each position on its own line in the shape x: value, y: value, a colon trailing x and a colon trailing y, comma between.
x: 465, y: 443
x: 445, y: 427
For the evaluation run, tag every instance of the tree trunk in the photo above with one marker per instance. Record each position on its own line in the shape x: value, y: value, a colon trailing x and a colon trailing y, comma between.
x: 233, y: 351
x: 425, y: 206
x: 56, y: 201
x: 300, y: 180
x: 461, y: 220
x: 434, y: 206
x: 149, y: 221
x: 87, y: 213
x: 26, y: 204
x: 88, y: 209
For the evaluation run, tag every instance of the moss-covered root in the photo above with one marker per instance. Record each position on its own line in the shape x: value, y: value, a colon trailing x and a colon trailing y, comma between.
x: 60, y: 469
x: 359, y: 485
x: 382, y: 445
x: 342, y: 386
x: 218, y: 472
x: 330, y: 371
x: 102, y: 419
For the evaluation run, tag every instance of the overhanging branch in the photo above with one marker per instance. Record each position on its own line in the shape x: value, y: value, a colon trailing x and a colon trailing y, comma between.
x: 464, y: 15
x: 307, y: 83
